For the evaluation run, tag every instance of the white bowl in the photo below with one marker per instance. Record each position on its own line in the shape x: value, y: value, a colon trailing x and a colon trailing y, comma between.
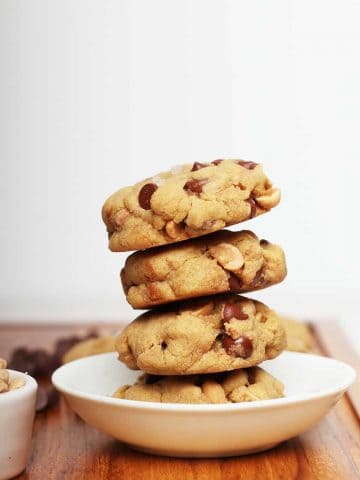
x: 313, y: 385
x: 17, y: 410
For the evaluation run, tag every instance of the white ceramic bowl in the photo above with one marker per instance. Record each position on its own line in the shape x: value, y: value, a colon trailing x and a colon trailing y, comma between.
x: 313, y: 384
x: 17, y: 410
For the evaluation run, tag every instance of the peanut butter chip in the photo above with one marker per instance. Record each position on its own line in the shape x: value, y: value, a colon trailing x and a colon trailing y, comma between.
x: 145, y: 195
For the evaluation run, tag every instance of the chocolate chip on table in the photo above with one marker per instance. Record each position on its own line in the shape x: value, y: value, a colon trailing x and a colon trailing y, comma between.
x: 241, y: 347
x: 248, y: 165
x: 63, y: 345
x: 233, y: 310
x: 35, y: 362
x: 198, y: 166
x: 195, y: 186
x: 145, y: 195
x: 235, y: 283
x: 217, y: 162
x: 253, y: 206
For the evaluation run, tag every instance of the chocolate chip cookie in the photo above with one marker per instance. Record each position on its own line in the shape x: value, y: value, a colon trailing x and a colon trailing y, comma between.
x: 221, y: 262
x: 207, y: 335
x: 186, y: 202
x: 299, y: 338
x: 88, y: 347
x: 246, y: 385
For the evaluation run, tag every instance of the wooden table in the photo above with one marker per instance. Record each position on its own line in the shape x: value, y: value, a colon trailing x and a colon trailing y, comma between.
x: 64, y: 447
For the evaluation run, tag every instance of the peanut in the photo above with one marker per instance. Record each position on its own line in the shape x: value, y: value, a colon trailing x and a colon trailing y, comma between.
x: 5, y: 383
x: 214, y: 391
x: 228, y: 256
x: 4, y: 375
x: 205, y: 309
x: 270, y: 199
x: 16, y: 383
x: 121, y: 216
x: 173, y: 229
x: 4, y: 387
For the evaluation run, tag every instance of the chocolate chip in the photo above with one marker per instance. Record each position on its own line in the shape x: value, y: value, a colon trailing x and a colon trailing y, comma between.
x: 217, y: 162
x: 253, y: 206
x: 233, y: 310
x: 145, y: 195
x: 195, y: 186
x: 241, y: 347
x: 258, y: 280
x: 264, y: 242
x: 235, y: 283
x: 198, y: 166
x: 248, y: 165
x: 163, y: 345
x: 251, y: 376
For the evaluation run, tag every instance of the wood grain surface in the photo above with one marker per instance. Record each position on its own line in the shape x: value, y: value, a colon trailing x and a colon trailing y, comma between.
x: 64, y: 447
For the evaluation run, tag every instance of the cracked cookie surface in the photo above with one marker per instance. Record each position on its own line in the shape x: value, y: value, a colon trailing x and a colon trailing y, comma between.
x: 207, y: 335
x: 245, y: 385
x: 221, y: 262
x: 187, y: 202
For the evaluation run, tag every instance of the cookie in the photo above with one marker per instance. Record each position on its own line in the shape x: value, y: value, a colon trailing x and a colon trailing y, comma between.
x: 245, y: 385
x: 207, y: 335
x: 189, y: 201
x: 299, y: 338
x: 91, y: 346
x: 221, y: 262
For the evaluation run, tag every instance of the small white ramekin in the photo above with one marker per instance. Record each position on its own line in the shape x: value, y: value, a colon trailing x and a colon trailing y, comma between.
x: 17, y: 410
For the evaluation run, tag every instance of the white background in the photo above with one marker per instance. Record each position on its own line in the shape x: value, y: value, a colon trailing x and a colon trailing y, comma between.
x: 96, y: 95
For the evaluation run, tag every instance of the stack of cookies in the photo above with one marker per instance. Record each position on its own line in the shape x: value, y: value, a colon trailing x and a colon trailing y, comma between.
x: 201, y: 342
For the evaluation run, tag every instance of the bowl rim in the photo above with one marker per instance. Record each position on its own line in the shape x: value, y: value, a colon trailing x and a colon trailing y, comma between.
x: 30, y: 386
x: 206, y: 408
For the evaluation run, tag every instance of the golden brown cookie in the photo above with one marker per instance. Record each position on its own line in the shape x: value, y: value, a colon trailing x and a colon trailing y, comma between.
x: 207, y: 335
x: 299, y: 338
x: 245, y: 385
x: 187, y: 202
x: 221, y: 262
x: 91, y: 346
